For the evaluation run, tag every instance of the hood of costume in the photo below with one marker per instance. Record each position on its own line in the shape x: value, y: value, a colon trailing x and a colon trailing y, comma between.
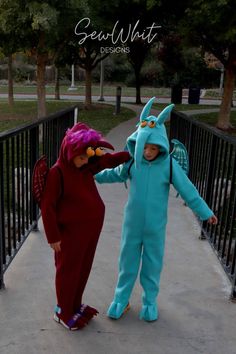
x: 81, y: 140
x: 71, y: 194
x: 151, y: 130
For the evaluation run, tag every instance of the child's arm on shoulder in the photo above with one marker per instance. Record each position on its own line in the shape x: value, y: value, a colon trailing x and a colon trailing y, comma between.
x: 112, y: 175
x: 112, y: 160
x: 109, y: 161
x: 190, y: 194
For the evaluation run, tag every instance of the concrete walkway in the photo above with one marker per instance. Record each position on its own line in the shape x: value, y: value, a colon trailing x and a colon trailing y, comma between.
x: 191, y: 112
x: 196, y: 315
x: 112, y: 99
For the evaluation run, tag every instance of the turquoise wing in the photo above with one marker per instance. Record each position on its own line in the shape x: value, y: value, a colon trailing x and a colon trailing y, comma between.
x: 180, y: 154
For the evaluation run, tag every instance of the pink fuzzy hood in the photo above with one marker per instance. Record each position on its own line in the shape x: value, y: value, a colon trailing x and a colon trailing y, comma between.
x: 78, y: 139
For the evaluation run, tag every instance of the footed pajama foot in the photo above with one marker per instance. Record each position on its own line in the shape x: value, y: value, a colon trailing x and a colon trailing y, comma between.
x: 88, y: 312
x: 149, y: 313
x: 116, y: 310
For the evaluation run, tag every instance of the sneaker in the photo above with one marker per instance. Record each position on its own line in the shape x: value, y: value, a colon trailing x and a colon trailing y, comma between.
x: 74, y: 324
x: 87, y: 311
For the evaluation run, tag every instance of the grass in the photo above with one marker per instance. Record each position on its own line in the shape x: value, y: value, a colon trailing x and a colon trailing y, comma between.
x: 211, y: 119
x: 108, y: 90
x: 100, y: 116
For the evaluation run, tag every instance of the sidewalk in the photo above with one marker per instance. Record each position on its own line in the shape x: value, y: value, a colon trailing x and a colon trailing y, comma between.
x: 191, y: 112
x: 111, y: 99
x: 195, y: 313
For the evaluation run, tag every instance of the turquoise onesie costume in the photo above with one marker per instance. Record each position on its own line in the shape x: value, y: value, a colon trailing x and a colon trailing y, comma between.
x: 145, y: 217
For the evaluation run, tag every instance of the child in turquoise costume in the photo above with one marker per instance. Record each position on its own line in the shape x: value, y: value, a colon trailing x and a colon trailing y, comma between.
x: 145, y: 217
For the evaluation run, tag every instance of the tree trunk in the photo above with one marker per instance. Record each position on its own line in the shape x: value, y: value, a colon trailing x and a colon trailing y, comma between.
x: 10, y: 82
x: 41, y: 92
x: 138, y: 93
x: 138, y: 85
x: 57, y: 83
x: 223, y: 122
x: 88, y: 88
x: 42, y: 57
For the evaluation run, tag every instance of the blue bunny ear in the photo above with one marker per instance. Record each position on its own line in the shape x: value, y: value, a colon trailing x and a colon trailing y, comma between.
x: 146, y: 109
x: 165, y: 114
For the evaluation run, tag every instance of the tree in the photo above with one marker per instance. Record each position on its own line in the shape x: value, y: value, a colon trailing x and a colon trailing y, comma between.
x: 212, y: 25
x: 44, y: 27
x: 184, y: 66
x: 8, y: 51
x: 87, y: 42
x: 123, y: 25
x: 134, y: 25
x: 170, y: 54
x: 146, y: 15
x: 11, y: 26
x: 138, y: 52
x: 51, y: 26
x: 88, y: 56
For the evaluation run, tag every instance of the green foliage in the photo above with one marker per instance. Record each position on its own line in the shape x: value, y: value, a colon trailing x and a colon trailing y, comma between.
x: 184, y: 66
x: 212, y: 24
x: 116, y: 69
x: 196, y: 72
x: 43, y: 16
x: 24, y: 21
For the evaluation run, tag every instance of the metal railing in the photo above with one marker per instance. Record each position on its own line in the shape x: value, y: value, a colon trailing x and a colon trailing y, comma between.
x: 19, y: 150
x: 212, y: 157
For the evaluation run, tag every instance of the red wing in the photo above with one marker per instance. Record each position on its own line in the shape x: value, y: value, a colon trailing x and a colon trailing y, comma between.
x: 39, y: 178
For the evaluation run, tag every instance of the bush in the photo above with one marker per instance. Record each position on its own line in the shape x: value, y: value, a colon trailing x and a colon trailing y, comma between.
x: 4, y: 82
x: 20, y: 75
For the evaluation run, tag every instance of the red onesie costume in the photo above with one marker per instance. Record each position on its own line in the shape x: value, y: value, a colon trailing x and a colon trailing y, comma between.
x: 73, y: 213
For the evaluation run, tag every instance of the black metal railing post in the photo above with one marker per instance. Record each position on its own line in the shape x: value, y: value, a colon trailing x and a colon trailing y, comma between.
x: 1, y: 250
x: 118, y: 100
x: 233, y: 293
x: 209, y: 180
x: 34, y: 155
x: 212, y: 156
x: 1, y: 217
x: 55, y: 137
x: 19, y: 150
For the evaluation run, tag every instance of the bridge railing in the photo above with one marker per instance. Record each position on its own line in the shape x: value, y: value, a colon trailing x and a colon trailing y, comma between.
x: 212, y: 157
x: 19, y: 150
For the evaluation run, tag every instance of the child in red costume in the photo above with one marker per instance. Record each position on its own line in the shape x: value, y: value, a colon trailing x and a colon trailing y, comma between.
x: 73, y: 214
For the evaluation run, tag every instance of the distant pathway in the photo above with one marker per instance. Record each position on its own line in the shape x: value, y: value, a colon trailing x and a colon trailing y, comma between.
x: 129, y: 102
x: 138, y: 108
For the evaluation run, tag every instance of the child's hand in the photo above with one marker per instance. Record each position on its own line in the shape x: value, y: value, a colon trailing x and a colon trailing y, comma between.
x: 56, y: 246
x: 213, y: 220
